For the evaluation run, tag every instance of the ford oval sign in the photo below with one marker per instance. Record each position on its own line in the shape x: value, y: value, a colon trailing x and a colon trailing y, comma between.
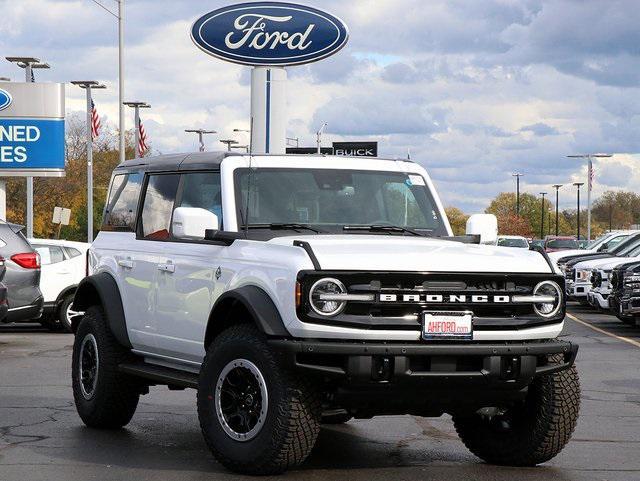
x: 269, y: 33
x: 5, y: 99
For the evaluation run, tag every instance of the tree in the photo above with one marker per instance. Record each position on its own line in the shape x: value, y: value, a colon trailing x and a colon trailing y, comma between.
x: 457, y: 219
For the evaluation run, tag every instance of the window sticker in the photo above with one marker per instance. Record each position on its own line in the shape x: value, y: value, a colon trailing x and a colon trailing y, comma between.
x: 415, y: 179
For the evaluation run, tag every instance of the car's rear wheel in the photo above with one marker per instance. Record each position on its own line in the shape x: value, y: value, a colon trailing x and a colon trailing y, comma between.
x: 104, y: 396
x: 257, y: 416
x: 66, y: 313
x: 531, y: 432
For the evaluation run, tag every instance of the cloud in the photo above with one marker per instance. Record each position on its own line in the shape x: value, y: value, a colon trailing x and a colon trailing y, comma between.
x: 540, y: 129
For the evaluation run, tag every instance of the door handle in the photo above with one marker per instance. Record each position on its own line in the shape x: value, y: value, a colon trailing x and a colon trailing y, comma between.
x: 167, y: 267
x: 126, y: 263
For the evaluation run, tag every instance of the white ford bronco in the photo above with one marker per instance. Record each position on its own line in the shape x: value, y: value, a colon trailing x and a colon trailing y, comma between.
x: 292, y: 291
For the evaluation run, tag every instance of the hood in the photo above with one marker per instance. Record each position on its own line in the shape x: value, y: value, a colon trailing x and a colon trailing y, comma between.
x: 616, y: 262
x: 554, y: 256
x: 600, y: 263
x: 410, y: 253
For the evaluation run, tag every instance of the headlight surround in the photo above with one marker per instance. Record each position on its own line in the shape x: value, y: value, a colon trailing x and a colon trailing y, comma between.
x: 583, y: 274
x: 327, y: 308
x: 548, y: 288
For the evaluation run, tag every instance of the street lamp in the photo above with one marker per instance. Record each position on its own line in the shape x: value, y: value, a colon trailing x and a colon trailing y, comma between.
x: 28, y: 64
x: 200, y: 133
x: 238, y: 147
x: 557, y: 187
x: 137, y: 105
x: 517, y: 175
x: 229, y: 143
x: 590, y: 158
x: 89, y: 85
x: 319, y: 136
x: 542, y: 216
x: 578, y: 185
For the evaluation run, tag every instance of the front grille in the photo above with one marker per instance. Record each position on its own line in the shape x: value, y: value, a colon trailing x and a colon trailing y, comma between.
x: 405, y: 315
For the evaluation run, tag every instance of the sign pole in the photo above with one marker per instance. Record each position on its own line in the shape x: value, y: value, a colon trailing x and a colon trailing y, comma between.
x: 29, y: 78
x: 268, y: 110
x: 590, y: 173
x: 121, y: 78
x: 137, y: 124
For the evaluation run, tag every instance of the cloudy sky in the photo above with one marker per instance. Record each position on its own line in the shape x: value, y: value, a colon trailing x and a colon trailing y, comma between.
x: 475, y: 89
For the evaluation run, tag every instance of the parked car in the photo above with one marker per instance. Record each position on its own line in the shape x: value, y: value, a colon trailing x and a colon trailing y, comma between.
x: 512, y: 241
x: 4, y: 308
x: 22, y: 276
x: 63, y: 266
x: 602, y: 244
x: 536, y: 243
x: 583, y: 243
x: 553, y: 243
x: 624, y: 300
x: 284, y: 295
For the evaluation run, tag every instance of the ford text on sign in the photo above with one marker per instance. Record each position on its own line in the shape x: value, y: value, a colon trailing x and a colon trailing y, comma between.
x: 31, y: 144
x: 269, y: 33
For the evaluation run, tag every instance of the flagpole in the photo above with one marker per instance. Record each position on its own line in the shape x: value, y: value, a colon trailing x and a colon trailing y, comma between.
x: 121, y: 76
x: 137, y: 105
x: 88, y: 85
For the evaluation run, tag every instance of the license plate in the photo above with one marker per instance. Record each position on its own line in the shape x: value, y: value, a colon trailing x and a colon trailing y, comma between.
x: 447, y: 325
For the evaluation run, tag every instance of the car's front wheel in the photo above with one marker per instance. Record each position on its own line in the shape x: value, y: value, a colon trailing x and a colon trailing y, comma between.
x: 528, y: 433
x: 104, y: 396
x: 257, y: 416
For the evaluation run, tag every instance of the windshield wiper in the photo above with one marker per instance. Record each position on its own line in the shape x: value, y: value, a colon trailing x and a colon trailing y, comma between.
x: 286, y: 226
x: 382, y: 228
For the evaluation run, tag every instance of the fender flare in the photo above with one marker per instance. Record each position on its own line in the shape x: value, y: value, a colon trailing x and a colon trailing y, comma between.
x: 256, y: 302
x: 102, y: 289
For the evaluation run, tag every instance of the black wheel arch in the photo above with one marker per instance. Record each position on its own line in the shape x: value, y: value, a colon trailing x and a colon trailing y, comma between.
x: 245, y: 304
x: 101, y: 289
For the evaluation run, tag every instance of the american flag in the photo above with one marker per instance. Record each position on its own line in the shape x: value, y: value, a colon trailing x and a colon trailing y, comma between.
x: 591, y: 175
x: 142, y: 142
x: 95, y: 122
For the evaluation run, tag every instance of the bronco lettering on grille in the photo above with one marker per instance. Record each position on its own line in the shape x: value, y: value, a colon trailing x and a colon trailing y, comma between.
x: 446, y: 298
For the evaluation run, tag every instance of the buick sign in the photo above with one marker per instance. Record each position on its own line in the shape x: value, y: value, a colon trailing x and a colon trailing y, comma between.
x: 5, y: 99
x: 269, y: 33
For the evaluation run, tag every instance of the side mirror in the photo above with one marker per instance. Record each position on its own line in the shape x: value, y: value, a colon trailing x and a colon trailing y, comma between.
x: 192, y: 222
x: 484, y: 225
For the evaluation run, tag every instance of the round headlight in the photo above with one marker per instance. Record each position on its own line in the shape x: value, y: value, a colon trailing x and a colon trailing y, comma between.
x: 322, y: 297
x: 550, y: 289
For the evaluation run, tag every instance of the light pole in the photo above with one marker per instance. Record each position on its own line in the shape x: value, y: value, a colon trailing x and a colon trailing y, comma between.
x: 28, y: 64
x: 238, y: 147
x: 137, y: 105
x: 589, y: 158
x: 542, y: 216
x: 88, y: 85
x: 121, y: 123
x: 200, y: 133
x: 517, y: 175
x: 229, y: 143
x: 557, y: 187
x: 578, y: 184
x: 319, y: 137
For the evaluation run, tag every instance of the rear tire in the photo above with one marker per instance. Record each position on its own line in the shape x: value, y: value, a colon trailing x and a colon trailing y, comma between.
x: 257, y: 416
x: 532, y: 432
x: 104, y: 397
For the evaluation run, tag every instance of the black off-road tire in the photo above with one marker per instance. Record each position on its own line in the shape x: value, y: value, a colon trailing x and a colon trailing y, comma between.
x: 541, y: 426
x: 336, y: 418
x: 115, y: 397
x: 292, y: 421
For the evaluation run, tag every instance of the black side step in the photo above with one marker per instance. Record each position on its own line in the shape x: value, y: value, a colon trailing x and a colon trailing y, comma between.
x: 161, y: 374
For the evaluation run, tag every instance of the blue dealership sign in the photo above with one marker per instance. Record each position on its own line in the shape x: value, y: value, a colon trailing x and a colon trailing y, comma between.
x: 31, y: 144
x: 269, y: 33
x: 5, y: 99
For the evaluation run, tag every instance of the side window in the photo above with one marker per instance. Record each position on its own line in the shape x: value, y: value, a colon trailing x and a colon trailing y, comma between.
x: 120, y: 211
x: 202, y: 189
x: 160, y: 195
x: 50, y: 254
x: 73, y: 252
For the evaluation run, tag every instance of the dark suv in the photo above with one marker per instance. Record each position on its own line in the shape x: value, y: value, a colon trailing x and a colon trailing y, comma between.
x: 22, y: 276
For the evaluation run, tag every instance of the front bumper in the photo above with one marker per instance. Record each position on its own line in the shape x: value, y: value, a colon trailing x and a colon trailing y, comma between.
x: 598, y: 299
x: 469, y: 365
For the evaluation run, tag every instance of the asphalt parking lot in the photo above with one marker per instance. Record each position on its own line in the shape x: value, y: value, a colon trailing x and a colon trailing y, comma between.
x: 42, y: 438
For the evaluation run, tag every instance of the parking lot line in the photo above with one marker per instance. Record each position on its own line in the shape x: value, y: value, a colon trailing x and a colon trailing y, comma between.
x: 603, y: 331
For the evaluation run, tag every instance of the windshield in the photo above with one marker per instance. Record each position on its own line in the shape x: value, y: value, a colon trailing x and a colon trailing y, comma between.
x: 626, y: 246
x: 512, y: 242
x: 562, y: 244
x: 329, y: 199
